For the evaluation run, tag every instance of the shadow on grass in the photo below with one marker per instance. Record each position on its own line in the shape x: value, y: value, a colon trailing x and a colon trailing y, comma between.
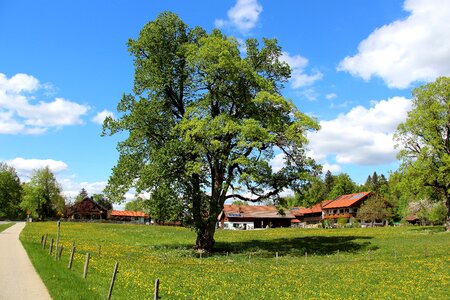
x: 313, y: 245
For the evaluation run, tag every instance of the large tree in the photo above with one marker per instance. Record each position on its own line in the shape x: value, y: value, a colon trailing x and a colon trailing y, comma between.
x: 424, y: 137
x: 204, y: 120
x: 10, y: 192
x: 42, y: 195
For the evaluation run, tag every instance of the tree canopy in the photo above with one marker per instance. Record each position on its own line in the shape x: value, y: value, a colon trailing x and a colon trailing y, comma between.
x: 424, y: 138
x: 204, y: 120
x: 42, y: 195
x: 10, y: 192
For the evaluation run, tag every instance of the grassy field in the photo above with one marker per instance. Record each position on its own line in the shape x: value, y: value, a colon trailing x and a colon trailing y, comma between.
x: 3, y: 226
x: 365, y: 263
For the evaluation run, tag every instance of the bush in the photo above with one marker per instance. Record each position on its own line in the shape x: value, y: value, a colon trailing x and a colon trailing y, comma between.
x: 438, y: 213
x: 342, y: 222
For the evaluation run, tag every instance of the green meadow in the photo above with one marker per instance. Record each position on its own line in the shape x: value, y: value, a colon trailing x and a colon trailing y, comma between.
x: 357, y: 263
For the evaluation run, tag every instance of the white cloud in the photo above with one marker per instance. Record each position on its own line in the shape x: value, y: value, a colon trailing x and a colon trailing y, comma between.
x: 363, y: 136
x: 18, y: 83
x: 101, y: 116
x: 298, y: 64
x: 414, y: 49
x: 333, y: 168
x: 21, y: 113
x: 25, y: 167
x: 330, y: 96
x: 243, y: 15
x: 71, y: 188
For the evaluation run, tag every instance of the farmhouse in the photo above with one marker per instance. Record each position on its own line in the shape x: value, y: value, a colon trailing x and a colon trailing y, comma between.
x: 253, y: 216
x: 87, y: 209
x: 310, y: 215
x: 345, y: 206
x: 128, y: 216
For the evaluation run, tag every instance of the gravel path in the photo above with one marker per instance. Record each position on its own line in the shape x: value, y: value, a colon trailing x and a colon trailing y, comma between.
x: 18, y: 279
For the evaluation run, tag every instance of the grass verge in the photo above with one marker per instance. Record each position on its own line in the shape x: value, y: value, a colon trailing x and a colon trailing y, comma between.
x: 4, y: 226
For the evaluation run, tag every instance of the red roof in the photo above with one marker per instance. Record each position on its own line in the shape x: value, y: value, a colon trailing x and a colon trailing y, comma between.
x: 347, y: 200
x: 254, y: 211
x: 317, y: 208
x: 127, y: 213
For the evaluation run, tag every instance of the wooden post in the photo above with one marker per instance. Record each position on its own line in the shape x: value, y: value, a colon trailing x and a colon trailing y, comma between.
x: 42, y: 240
x: 60, y: 252
x: 51, y: 248
x: 58, y: 225
x: 111, y: 286
x: 86, y: 265
x: 306, y: 257
x: 276, y: 257
x: 156, y: 292
x: 99, y: 250
x: 45, y: 241
x: 71, y: 256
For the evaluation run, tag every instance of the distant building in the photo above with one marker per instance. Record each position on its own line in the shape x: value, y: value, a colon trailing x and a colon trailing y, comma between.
x: 345, y: 206
x: 253, y: 216
x: 87, y: 209
x: 310, y: 215
x: 128, y: 216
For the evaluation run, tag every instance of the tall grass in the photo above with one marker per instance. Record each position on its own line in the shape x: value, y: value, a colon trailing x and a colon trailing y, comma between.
x: 376, y: 263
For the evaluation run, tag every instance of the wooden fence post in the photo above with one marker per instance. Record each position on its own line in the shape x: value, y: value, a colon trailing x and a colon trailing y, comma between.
x: 60, y: 252
x: 71, y: 256
x: 156, y: 292
x: 42, y: 240
x: 45, y: 241
x: 58, y: 225
x: 51, y: 248
x: 111, y: 286
x: 86, y: 265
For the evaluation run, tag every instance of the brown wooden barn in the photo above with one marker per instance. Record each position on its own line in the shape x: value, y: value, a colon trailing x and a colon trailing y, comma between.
x: 87, y: 209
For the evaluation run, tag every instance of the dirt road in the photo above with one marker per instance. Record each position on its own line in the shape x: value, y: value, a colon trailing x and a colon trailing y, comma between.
x: 18, y: 279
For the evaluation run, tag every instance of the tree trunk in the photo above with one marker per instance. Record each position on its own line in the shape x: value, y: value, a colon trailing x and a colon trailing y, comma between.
x: 205, y: 237
x: 447, y: 222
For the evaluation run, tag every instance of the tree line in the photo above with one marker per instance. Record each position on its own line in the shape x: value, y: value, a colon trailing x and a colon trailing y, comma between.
x: 399, y: 195
x: 39, y: 198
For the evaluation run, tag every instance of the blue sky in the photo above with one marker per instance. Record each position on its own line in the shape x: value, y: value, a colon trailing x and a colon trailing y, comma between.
x: 64, y: 65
